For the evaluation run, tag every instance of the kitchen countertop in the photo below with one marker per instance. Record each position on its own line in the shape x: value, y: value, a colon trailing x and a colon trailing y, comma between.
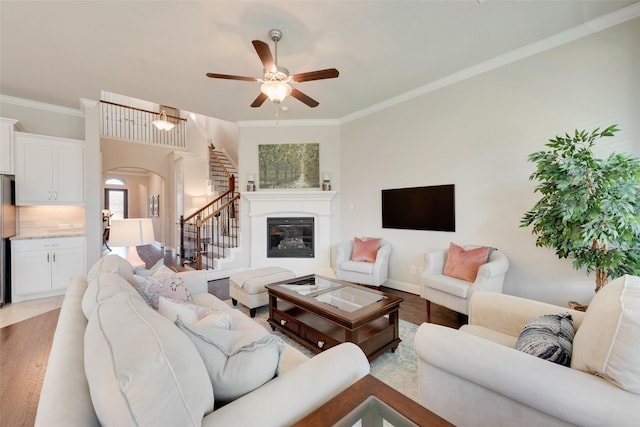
x: 53, y: 235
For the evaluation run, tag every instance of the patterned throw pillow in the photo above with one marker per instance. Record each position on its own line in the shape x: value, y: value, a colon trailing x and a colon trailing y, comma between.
x: 548, y: 337
x: 153, y: 287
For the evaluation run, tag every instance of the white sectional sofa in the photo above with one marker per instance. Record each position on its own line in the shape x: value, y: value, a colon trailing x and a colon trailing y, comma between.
x: 474, y: 376
x: 117, y: 361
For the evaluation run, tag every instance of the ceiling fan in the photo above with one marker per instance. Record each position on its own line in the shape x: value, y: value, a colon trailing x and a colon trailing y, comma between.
x: 276, y: 80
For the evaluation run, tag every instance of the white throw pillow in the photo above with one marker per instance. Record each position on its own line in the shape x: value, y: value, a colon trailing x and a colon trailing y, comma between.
x: 104, y: 286
x: 112, y: 264
x: 141, y: 369
x: 216, y: 319
x: 189, y: 313
x: 608, y: 340
x: 153, y: 287
x: 237, y: 362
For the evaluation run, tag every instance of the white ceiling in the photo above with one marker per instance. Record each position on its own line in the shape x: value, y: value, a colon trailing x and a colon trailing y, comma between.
x: 57, y: 52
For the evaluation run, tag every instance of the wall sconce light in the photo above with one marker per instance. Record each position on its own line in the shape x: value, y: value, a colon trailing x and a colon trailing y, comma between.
x: 162, y: 123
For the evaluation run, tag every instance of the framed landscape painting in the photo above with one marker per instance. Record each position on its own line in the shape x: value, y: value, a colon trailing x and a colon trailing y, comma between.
x: 289, y: 166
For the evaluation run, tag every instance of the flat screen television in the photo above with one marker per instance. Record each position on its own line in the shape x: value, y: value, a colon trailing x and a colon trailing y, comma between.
x: 420, y: 208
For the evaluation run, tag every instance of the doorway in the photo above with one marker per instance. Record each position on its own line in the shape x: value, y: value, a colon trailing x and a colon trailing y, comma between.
x: 116, y: 201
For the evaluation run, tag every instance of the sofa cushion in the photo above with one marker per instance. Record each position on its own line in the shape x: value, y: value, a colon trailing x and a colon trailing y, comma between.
x: 463, y: 264
x: 190, y: 313
x: 548, y: 337
x: 237, y: 361
x: 141, y: 369
x: 357, y: 266
x: 112, y: 264
x: 365, y: 250
x: 104, y: 286
x: 608, y: 340
x: 150, y: 272
x: 153, y: 287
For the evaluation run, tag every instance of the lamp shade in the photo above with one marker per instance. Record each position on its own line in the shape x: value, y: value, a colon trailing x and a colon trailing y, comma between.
x: 276, y: 90
x: 131, y: 232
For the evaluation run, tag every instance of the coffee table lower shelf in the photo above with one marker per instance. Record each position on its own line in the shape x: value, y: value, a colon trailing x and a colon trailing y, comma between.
x: 318, y: 334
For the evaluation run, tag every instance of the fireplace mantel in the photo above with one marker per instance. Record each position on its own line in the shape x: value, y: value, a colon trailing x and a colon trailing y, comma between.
x: 283, y: 203
x: 267, y: 202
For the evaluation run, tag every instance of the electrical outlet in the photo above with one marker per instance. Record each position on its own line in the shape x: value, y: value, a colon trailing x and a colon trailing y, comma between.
x: 413, y: 269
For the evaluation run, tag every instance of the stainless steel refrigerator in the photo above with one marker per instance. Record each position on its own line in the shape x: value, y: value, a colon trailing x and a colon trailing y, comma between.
x: 7, y: 230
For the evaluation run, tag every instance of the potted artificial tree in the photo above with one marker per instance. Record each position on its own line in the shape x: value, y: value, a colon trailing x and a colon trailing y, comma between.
x: 590, y: 207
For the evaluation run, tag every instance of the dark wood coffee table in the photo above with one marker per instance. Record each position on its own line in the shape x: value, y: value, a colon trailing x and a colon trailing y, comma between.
x: 371, y: 401
x: 319, y: 313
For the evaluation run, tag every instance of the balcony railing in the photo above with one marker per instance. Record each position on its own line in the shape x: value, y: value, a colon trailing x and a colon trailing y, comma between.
x: 134, y: 124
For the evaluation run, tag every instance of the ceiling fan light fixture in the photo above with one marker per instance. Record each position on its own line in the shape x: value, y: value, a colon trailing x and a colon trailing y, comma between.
x: 162, y: 123
x: 276, y: 91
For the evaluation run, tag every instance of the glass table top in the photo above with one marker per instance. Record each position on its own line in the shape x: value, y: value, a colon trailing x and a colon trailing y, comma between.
x: 334, y: 293
x: 374, y: 413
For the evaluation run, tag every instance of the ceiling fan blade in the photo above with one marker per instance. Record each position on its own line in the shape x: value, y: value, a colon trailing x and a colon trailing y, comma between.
x: 265, y: 55
x: 230, y: 77
x: 329, y: 73
x: 259, y: 100
x: 304, y: 98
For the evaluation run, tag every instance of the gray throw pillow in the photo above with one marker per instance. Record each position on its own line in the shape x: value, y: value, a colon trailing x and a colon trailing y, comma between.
x: 237, y: 361
x: 548, y: 337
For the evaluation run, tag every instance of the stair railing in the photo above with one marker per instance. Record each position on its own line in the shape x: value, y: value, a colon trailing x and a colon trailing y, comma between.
x: 209, y: 233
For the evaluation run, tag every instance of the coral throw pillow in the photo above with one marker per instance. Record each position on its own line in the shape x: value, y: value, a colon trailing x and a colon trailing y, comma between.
x: 365, y: 250
x: 463, y: 264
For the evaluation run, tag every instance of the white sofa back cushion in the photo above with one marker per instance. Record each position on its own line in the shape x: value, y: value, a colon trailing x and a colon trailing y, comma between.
x: 608, y: 341
x: 141, y: 369
x: 112, y: 264
x: 104, y: 286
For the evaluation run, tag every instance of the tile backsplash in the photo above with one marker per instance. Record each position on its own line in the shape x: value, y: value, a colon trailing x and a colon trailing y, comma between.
x: 50, y: 220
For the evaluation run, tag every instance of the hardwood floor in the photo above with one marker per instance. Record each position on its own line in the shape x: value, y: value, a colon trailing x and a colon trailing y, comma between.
x: 25, y: 346
x: 24, y: 353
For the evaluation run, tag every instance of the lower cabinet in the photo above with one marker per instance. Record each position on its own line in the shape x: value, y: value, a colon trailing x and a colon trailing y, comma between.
x: 44, y: 267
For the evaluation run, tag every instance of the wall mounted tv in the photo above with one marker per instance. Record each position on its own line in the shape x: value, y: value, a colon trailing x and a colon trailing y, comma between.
x: 420, y: 208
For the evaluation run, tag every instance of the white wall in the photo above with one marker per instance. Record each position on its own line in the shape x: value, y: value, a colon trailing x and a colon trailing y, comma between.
x: 326, y: 134
x: 477, y: 134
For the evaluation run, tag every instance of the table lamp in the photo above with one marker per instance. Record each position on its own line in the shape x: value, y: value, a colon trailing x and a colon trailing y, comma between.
x: 131, y: 232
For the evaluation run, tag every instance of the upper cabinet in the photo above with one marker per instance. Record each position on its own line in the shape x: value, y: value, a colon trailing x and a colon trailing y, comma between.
x: 6, y: 145
x: 49, y: 170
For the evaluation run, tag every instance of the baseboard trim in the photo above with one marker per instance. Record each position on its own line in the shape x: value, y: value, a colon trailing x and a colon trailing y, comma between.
x: 412, y: 288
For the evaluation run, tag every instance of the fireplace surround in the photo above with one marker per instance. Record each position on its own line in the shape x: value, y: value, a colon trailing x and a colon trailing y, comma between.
x: 311, y: 204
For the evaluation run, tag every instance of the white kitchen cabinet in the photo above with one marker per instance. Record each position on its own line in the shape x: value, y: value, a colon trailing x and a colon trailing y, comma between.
x: 49, y: 170
x: 7, y: 145
x: 44, y: 267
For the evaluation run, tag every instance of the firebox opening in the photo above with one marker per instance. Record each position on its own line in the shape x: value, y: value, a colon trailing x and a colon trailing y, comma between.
x: 290, y: 237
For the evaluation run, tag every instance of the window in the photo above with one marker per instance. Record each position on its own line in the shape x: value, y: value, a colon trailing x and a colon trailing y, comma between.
x: 115, y: 181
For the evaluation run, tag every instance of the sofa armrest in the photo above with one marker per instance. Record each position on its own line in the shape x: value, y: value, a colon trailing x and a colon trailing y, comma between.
x: 508, y: 314
x: 297, y: 393
x: 64, y: 398
x: 195, y: 280
x: 564, y: 393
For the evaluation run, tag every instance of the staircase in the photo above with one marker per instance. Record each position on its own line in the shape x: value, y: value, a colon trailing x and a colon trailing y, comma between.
x: 210, y: 235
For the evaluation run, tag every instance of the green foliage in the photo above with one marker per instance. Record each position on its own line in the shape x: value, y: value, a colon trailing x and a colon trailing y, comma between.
x: 590, y: 207
x: 289, y: 165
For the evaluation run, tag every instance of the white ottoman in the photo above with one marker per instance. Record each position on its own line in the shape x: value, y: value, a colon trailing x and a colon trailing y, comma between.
x: 248, y: 286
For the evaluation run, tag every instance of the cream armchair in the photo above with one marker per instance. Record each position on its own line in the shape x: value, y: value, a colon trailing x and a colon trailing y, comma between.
x: 455, y: 293
x: 475, y: 376
x: 366, y: 273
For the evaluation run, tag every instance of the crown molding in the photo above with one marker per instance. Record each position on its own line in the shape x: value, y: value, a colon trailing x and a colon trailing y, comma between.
x: 591, y: 27
x: 41, y: 106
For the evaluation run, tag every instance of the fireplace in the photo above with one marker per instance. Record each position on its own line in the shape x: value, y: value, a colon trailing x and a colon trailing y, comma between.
x: 290, y: 237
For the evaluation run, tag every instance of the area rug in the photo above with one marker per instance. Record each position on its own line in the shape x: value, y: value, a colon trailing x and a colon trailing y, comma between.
x: 398, y: 369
